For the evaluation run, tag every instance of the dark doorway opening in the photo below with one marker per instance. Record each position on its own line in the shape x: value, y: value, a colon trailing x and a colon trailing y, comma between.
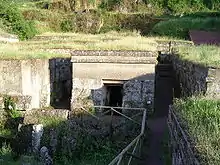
x: 114, y: 95
x: 61, y: 82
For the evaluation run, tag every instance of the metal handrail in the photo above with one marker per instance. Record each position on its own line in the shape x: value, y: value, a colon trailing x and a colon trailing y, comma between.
x: 172, y: 118
x: 136, y: 141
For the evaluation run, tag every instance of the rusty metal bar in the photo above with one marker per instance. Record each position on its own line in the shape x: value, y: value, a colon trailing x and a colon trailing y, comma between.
x: 134, y: 156
x: 135, y: 141
x: 124, y: 150
x: 174, y: 119
x: 120, y: 108
x: 143, y: 122
x: 118, y: 159
x: 90, y: 113
x: 125, y: 116
x: 130, y: 159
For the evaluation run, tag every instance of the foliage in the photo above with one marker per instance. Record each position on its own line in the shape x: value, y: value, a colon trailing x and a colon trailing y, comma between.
x: 51, y: 19
x: 14, y: 22
x: 7, y: 157
x: 67, y: 26
x: 202, y: 15
x: 10, y: 107
x: 179, y: 27
x: 202, y: 117
x: 88, y: 22
x: 75, y: 145
x: 135, y: 22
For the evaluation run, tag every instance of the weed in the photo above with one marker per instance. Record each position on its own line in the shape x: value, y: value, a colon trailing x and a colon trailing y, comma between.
x: 10, y: 107
x: 202, y: 118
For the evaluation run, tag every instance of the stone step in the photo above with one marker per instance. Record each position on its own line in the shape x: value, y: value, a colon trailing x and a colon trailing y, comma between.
x: 164, y: 67
x: 169, y: 74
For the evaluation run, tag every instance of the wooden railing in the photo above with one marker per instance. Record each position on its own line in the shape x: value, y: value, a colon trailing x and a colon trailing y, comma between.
x: 132, y: 150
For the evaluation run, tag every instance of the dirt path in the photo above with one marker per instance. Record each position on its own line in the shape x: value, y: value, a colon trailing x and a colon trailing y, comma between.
x: 153, y: 149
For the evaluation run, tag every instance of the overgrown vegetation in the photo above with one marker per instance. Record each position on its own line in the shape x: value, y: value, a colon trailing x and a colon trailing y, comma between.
x: 150, y: 6
x: 82, y: 140
x: 100, y: 16
x: 179, y: 27
x: 202, y: 118
x: 205, y: 54
x: 7, y: 157
x: 12, y: 21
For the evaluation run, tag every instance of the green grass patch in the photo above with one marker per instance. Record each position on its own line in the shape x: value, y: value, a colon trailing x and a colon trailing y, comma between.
x: 206, y: 55
x: 203, y: 14
x: 179, y: 27
x: 202, y: 119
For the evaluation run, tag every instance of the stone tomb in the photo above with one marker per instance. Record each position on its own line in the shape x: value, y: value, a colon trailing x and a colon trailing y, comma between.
x: 112, y: 78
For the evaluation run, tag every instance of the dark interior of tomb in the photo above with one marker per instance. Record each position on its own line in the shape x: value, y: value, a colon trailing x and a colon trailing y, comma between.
x: 114, y: 95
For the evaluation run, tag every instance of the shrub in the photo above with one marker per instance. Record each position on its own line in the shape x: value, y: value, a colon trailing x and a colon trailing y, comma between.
x: 93, y: 21
x: 202, y: 14
x: 52, y: 18
x: 119, y: 21
x: 14, y: 22
x: 180, y: 27
x: 66, y: 26
x: 90, y: 22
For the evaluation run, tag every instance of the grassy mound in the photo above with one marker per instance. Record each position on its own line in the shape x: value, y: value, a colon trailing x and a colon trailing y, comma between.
x: 179, y: 27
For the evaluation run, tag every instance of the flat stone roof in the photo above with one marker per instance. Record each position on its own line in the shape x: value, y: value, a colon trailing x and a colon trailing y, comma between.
x: 109, y: 56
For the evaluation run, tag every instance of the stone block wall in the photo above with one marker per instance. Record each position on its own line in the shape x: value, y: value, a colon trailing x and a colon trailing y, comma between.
x: 195, y: 79
x: 91, y: 92
x: 27, y: 81
x: 137, y: 93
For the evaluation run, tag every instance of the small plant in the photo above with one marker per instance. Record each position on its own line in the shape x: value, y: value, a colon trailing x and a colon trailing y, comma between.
x: 10, y: 107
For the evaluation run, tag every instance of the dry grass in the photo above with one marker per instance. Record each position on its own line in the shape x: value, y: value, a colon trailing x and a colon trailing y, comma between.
x: 39, y: 46
x: 107, y: 41
x: 206, y: 55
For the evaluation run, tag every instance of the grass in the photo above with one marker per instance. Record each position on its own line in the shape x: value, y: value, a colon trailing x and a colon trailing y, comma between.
x: 206, y: 55
x: 6, y: 157
x: 179, y: 27
x: 202, y: 118
x: 48, y: 46
x: 39, y: 46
